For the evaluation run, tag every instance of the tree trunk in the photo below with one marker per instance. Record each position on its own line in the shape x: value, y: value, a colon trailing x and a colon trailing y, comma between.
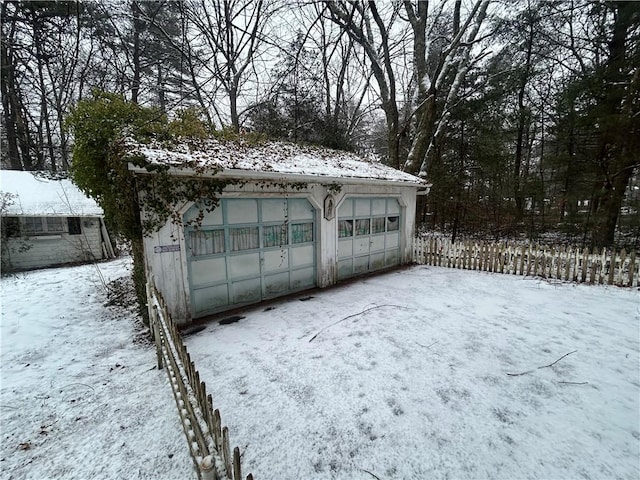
x: 618, y: 144
x: 44, y: 106
x: 7, y: 90
x: 522, y: 125
x: 137, y: 28
x: 162, y: 102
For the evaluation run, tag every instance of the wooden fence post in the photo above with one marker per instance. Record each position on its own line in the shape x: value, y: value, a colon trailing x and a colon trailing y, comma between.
x: 623, y: 257
x: 602, y: 259
x: 522, y: 260
x: 559, y: 262
x: 156, y: 335
x: 592, y: 270
x: 237, y: 473
x: 585, y: 258
x: 576, y: 264
x: 226, y: 454
x: 612, y: 267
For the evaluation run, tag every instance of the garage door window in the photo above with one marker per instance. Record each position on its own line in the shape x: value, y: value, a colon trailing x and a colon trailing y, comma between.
x: 393, y: 223
x: 244, y: 238
x: 206, y: 242
x: 377, y: 224
x: 345, y: 228
x: 274, y: 235
x: 302, y: 233
x: 362, y: 226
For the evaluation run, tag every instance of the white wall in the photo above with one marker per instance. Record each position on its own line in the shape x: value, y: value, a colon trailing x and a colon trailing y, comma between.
x: 168, y: 269
x: 165, y: 250
x: 49, y: 250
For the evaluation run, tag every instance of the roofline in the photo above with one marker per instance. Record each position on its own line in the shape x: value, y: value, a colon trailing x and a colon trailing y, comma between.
x: 296, y: 177
x: 48, y: 214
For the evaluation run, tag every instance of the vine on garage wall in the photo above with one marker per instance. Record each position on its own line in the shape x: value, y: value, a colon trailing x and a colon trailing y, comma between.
x: 103, y: 126
x: 162, y: 193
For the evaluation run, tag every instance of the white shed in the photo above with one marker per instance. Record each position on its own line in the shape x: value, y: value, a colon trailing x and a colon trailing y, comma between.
x: 299, y: 218
x: 48, y: 222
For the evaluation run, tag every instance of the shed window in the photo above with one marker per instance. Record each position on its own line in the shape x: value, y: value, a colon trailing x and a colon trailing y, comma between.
x: 244, y: 238
x: 11, y: 226
x: 33, y: 225
x: 74, y: 225
x: 54, y: 225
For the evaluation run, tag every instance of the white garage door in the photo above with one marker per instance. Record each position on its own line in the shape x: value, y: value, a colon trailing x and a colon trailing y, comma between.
x: 248, y: 250
x: 368, y: 235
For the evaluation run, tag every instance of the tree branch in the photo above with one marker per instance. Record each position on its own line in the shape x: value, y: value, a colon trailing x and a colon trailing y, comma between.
x: 354, y: 315
x: 543, y: 366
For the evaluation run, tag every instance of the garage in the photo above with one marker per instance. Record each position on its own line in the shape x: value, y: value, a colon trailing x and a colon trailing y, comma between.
x: 368, y: 235
x: 288, y: 218
x: 248, y: 250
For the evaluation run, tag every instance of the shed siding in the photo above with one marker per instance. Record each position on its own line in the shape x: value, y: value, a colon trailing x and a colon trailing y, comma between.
x: 59, y: 249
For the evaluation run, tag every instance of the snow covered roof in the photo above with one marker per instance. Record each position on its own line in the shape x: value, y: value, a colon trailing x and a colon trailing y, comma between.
x: 273, y: 159
x: 37, y: 195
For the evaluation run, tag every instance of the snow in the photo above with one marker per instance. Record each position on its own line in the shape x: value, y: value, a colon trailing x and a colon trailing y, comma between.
x: 274, y: 157
x: 38, y: 195
x: 80, y: 395
x: 407, y: 378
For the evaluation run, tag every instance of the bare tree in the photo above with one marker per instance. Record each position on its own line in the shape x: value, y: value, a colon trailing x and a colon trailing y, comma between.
x: 382, y: 35
x: 365, y: 26
x: 229, y: 36
x: 8, y: 88
x: 454, y: 61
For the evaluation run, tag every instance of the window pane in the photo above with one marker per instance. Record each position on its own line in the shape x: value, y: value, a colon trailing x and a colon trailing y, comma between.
x: 362, y: 226
x: 206, y: 242
x: 74, y: 225
x: 244, y: 238
x: 302, y: 233
x: 11, y: 226
x: 54, y: 225
x: 33, y: 224
x: 345, y: 228
x: 393, y: 223
x: 377, y: 225
x: 274, y: 235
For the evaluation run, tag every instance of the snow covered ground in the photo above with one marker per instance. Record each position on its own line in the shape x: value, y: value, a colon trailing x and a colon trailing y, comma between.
x: 79, y: 395
x: 405, y: 376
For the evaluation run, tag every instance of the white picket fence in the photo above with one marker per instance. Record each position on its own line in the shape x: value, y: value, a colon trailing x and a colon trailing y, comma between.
x: 207, y: 439
x: 560, y: 262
